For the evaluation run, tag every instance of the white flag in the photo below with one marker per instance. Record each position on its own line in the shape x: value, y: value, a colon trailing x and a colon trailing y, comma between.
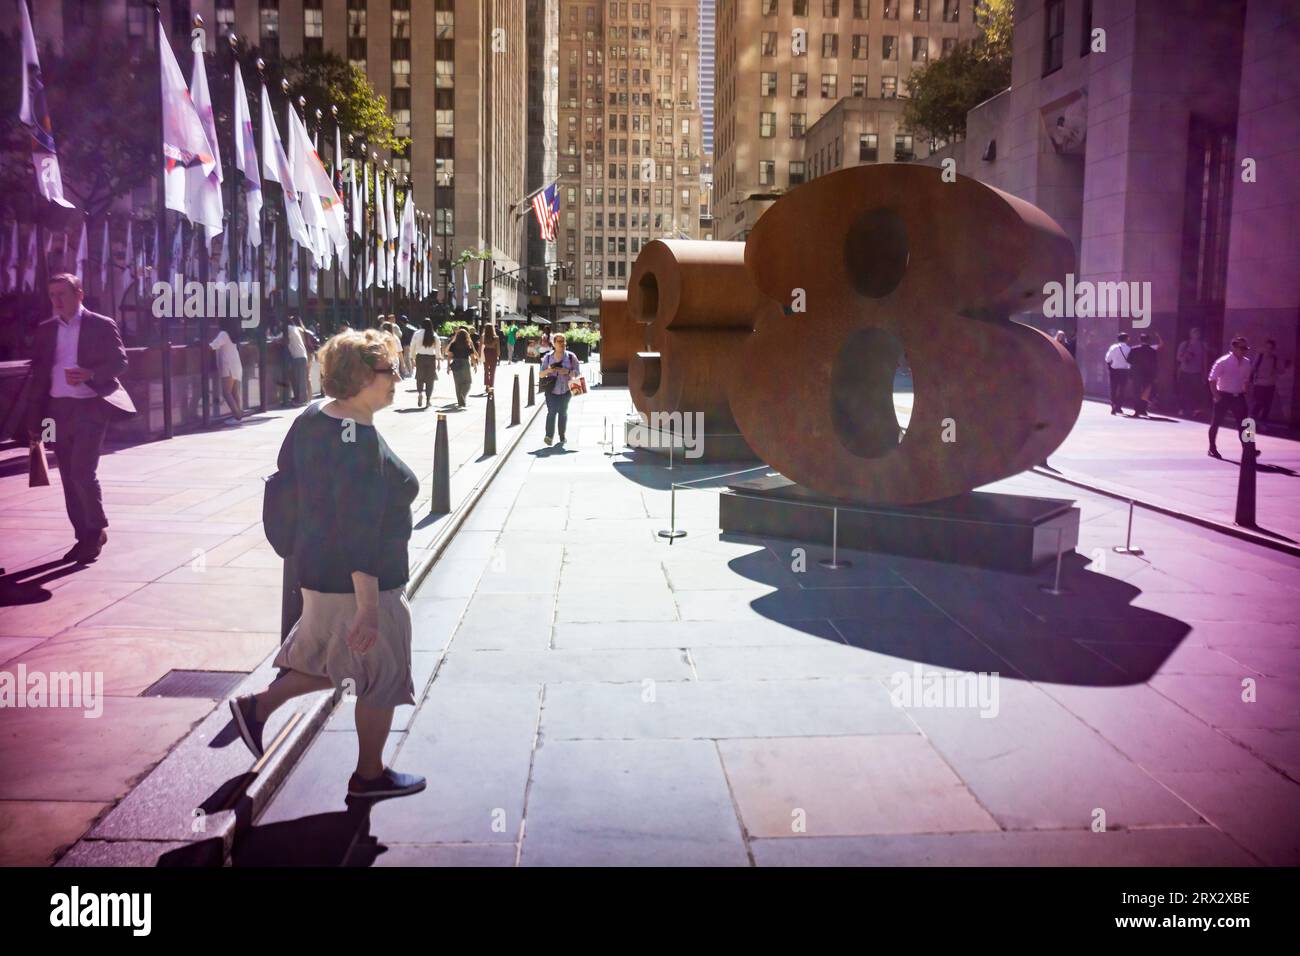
x: 318, y: 194
x: 203, y: 190
x: 381, y: 222
x: 276, y: 167
x: 35, y: 115
x: 246, y: 161
x: 381, y: 264
x: 389, y: 210
x: 105, y: 259
x: 12, y: 268
x: 185, y: 144
x: 406, y: 239
x: 358, y: 201
x: 83, y: 255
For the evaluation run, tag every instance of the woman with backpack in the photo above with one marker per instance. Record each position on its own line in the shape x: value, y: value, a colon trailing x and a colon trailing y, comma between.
x: 426, y: 347
x: 559, y: 369
x: 350, y: 498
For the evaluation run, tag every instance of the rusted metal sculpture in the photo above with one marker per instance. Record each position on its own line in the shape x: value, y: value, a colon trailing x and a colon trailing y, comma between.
x: 620, y: 337
x: 795, y: 336
x: 700, y: 305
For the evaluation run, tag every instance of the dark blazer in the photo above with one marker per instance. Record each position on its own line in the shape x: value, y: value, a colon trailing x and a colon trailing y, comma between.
x: 99, y: 349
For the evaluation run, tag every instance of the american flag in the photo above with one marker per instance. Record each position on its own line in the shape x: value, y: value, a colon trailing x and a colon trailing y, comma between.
x: 546, y: 207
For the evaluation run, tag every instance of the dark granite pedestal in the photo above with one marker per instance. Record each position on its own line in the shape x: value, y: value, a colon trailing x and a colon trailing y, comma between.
x: 1006, y: 532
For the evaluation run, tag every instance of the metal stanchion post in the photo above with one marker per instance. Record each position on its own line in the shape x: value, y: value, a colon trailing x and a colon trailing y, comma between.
x: 1056, y: 588
x: 672, y: 531
x: 514, y: 403
x: 532, y: 388
x: 490, y: 425
x: 1127, y: 546
x: 440, y: 504
x: 833, y: 562
x: 1245, y: 516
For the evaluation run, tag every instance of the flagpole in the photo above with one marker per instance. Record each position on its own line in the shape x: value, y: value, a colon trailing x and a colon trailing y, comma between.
x: 205, y: 268
x: 255, y: 117
x: 161, y: 255
x: 298, y: 257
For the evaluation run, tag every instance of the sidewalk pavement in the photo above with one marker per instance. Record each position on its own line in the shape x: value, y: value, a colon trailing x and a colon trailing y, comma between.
x: 1163, y: 460
x: 598, y: 696
x: 187, y: 581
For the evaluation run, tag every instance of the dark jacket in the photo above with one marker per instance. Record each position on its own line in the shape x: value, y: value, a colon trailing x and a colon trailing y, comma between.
x: 99, y: 349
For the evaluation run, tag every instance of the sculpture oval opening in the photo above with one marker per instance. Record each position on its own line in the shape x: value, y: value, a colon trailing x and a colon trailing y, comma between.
x: 862, y: 392
x: 875, y: 252
x: 649, y: 287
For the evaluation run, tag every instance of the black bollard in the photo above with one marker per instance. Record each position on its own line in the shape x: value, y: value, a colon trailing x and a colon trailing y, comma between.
x: 290, y: 597
x: 514, y: 403
x: 490, y: 425
x: 440, y: 504
x: 1246, y: 486
x: 532, y: 388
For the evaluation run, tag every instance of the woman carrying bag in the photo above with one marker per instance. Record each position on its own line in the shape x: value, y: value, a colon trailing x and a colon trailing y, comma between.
x: 459, y: 353
x: 560, y: 374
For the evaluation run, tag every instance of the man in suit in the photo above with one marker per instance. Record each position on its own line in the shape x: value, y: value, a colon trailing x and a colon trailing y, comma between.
x: 74, y: 385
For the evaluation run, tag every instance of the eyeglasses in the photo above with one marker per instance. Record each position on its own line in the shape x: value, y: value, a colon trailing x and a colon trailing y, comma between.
x: 387, y: 369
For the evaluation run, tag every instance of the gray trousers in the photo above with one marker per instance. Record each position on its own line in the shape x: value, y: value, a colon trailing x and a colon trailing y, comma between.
x: 79, y: 428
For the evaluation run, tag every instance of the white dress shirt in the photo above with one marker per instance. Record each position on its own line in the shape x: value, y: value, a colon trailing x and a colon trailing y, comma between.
x: 293, y: 337
x: 1229, y: 374
x: 65, y: 356
x: 1117, y: 355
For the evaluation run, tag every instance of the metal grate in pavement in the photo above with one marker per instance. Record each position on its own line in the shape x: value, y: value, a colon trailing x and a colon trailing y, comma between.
x: 214, y: 685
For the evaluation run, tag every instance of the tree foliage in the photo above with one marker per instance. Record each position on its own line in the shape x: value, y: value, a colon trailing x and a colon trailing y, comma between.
x: 945, y: 90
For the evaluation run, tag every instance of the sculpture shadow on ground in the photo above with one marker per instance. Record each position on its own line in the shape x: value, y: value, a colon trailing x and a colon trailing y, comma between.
x: 949, y: 616
x: 320, y: 839
x: 650, y: 469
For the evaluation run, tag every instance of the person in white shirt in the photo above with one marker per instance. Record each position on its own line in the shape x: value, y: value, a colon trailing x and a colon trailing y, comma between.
x: 1118, y: 363
x: 426, y: 347
x: 1229, y: 382
x: 297, y: 347
x: 230, y: 370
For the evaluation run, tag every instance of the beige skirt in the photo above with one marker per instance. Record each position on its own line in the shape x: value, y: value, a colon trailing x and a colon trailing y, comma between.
x: 317, y: 645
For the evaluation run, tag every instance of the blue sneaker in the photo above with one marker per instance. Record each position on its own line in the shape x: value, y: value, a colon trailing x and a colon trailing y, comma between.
x: 244, y: 710
x: 390, y: 783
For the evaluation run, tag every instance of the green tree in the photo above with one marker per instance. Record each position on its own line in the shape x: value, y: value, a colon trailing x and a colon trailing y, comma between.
x: 945, y: 90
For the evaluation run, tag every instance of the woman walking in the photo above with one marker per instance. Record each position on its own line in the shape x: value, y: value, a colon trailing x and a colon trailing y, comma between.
x: 426, y: 348
x: 353, y: 526
x: 460, y: 351
x: 491, y: 355
x: 559, y: 367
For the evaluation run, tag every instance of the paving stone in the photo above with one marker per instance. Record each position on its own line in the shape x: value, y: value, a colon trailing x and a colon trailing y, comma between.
x: 436, y: 854
x: 1278, y: 748
x: 630, y: 803
x: 714, y: 709
x: 1218, y: 701
x: 194, y: 607
x: 801, y: 605
x: 35, y: 832
x: 561, y: 666
x: 693, y: 634
x: 608, y: 604
x: 838, y: 786
x: 1256, y: 808
x: 506, y: 622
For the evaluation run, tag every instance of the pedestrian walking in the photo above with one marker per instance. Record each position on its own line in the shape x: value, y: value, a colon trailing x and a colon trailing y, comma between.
x: 491, y: 355
x: 1117, y: 361
x: 512, y: 333
x: 559, y: 367
x: 73, y: 383
x: 350, y: 547
x: 426, y: 349
x: 1229, y: 383
x: 1190, y: 358
x: 1264, y: 378
x: 460, y: 350
x: 230, y: 369
x: 1066, y: 342
x: 1144, y: 363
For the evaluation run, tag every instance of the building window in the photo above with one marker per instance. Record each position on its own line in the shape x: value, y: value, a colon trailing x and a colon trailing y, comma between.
x: 769, y: 8
x: 401, y: 73
x: 889, y: 48
x: 830, y: 44
x: 891, y: 9
x: 889, y: 87
x: 860, y: 11
x: 949, y: 44
x: 800, y: 8
x: 269, y: 27
x: 951, y: 10
x: 767, y: 172
x: 766, y: 125
x: 867, y: 151
x: 903, y: 148
x: 920, y: 10
x: 798, y: 125
x: 769, y: 43
x: 920, y: 49
x: 135, y: 18
x: 225, y: 17
x: 830, y: 85
x: 798, y: 85
x: 860, y: 85
x: 830, y: 8
x: 859, y: 46
x: 446, y: 25
x: 767, y: 84
x: 1054, y: 41
x: 797, y: 173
